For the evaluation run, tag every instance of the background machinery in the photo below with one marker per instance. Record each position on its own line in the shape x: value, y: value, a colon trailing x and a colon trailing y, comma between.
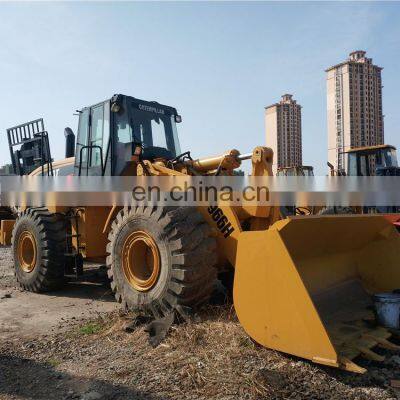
x: 303, y: 170
x: 302, y: 285
x: 300, y: 170
x: 380, y: 160
x: 29, y: 148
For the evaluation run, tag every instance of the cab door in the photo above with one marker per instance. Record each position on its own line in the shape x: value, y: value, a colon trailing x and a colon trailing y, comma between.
x: 93, y: 141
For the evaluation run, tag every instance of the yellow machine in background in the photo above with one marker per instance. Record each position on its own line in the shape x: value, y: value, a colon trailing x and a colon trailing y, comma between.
x: 378, y: 160
x: 298, y: 209
x: 303, y: 170
x: 302, y: 285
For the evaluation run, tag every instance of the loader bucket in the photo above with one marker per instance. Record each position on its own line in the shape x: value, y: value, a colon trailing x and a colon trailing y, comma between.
x: 305, y: 286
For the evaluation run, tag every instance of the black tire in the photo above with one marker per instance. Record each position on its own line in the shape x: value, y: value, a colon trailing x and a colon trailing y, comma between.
x: 6, y: 213
x: 49, y: 236
x: 187, y: 253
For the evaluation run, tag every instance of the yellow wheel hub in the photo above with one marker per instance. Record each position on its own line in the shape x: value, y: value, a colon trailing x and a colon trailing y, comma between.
x: 141, y: 261
x: 27, y: 251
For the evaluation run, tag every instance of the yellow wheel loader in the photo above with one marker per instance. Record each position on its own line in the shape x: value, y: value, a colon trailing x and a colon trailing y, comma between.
x: 378, y: 160
x: 302, y: 285
x: 299, y: 170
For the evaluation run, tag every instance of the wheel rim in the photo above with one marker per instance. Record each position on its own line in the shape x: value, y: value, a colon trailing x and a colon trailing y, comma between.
x: 27, y: 251
x: 141, y: 261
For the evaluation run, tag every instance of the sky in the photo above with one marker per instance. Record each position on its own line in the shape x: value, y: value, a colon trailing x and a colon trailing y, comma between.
x: 218, y: 63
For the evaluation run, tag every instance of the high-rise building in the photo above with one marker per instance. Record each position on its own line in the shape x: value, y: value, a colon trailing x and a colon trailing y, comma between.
x: 283, y: 132
x: 354, y: 105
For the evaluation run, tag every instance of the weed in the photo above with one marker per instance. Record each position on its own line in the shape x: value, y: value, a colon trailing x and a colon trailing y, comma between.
x: 54, y: 362
x: 90, y: 328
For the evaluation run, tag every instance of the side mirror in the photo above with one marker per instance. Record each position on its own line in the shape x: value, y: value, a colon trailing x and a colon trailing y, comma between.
x: 178, y: 119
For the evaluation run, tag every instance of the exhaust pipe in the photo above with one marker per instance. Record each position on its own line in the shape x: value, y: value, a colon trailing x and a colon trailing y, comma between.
x: 69, y: 142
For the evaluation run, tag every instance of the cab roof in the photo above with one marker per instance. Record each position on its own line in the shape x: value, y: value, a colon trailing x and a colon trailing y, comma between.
x: 148, y: 104
x: 371, y: 148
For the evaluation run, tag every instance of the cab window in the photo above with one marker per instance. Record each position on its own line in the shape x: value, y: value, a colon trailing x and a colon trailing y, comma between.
x: 83, y: 133
x: 93, y: 130
x: 97, y: 135
x: 352, y: 157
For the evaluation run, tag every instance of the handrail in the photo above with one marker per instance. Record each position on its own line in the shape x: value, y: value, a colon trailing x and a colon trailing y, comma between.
x: 92, y: 146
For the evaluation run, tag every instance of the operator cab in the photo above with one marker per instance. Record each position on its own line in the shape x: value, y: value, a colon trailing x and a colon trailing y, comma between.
x: 373, y: 160
x: 110, y: 131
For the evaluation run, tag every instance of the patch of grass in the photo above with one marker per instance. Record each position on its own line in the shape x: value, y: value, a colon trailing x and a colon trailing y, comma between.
x: 90, y: 328
x: 54, y: 362
x: 245, y: 341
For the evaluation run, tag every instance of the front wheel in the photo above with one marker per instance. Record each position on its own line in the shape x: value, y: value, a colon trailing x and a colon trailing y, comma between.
x: 161, y: 258
x: 38, y: 245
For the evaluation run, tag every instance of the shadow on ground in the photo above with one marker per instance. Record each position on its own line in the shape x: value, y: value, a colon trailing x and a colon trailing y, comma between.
x: 92, y: 285
x: 84, y: 290
x: 28, y: 379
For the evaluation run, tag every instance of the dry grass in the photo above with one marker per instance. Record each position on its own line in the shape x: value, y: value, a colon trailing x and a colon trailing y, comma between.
x: 215, y: 358
x: 211, y: 358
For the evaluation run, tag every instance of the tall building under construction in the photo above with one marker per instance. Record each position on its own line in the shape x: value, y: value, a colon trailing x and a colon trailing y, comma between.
x: 354, y: 106
x: 283, y: 132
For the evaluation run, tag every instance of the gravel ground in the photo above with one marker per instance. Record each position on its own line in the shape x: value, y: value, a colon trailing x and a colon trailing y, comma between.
x: 25, y: 315
x: 212, y: 358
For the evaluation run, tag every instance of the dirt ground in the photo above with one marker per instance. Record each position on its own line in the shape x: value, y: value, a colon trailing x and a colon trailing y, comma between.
x: 76, y: 346
x: 28, y: 315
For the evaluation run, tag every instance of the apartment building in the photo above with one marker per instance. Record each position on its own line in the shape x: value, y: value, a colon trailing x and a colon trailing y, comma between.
x: 283, y: 132
x: 354, y: 106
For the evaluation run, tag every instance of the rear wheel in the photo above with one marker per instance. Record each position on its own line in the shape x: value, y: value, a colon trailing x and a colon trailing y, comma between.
x: 161, y: 258
x: 38, y: 243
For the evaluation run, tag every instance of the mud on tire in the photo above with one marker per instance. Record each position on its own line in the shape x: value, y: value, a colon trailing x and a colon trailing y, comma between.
x: 38, y: 247
x: 187, y: 255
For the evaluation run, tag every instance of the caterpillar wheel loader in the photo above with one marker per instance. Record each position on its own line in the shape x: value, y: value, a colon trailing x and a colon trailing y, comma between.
x: 379, y: 160
x: 299, y: 170
x: 302, y: 285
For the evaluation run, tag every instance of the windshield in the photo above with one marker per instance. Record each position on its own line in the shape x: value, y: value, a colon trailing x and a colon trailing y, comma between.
x: 151, y: 126
x: 394, y: 158
x: 308, y: 171
x: 386, y: 158
x: 366, y: 163
x: 352, y: 167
